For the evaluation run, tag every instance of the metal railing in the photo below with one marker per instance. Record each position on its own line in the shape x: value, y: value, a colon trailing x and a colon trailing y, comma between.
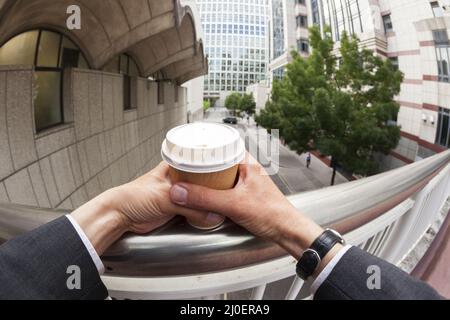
x: 385, y: 215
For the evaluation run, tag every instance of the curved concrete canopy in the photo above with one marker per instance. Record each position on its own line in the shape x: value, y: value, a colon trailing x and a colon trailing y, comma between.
x: 179, y: 69
x: 157, y: 33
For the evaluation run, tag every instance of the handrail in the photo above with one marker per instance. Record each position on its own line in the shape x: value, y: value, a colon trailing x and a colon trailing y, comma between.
x: 178, y: 249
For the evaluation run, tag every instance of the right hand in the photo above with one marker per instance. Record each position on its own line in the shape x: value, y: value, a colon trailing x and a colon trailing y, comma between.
x: 256, y: 204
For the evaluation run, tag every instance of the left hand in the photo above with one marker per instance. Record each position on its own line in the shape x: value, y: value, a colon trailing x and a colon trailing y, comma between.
x: 139, y: 206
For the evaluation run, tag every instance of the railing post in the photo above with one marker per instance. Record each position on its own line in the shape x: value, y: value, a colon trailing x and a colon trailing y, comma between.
x: 258, y: 292
x: 408, y: 229
x: 295, y: 288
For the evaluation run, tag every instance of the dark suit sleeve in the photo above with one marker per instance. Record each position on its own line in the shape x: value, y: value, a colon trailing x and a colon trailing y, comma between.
x: 349, y: 278
x: 34, y: 265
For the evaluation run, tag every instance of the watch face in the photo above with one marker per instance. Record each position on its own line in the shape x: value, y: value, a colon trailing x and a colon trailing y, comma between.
x: 307, y: 264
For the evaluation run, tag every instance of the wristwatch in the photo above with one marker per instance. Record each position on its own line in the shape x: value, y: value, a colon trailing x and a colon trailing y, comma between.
x: 312, y: 257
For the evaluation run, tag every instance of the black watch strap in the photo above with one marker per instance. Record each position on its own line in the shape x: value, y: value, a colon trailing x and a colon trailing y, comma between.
x: 312, y: 257
x: 326, y: 241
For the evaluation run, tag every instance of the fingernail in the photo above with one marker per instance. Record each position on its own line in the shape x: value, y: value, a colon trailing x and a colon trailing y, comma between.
x: 179, y: 195
x: 213, y: 218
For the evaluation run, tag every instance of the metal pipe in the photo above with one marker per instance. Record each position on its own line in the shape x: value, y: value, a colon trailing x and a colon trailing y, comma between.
x: 178, y: 249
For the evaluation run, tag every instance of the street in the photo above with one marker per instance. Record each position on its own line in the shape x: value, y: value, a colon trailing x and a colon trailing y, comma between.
x: 293, y: 175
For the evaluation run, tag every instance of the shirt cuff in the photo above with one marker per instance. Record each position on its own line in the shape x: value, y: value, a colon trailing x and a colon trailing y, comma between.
x: 90, y: 248
x: 328, y: 269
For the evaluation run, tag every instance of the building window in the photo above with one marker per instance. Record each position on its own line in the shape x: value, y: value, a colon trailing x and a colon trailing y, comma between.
x: 129, y: 69
x: 440, y: 37
x: 50, y: 53
x: 443, y: 60
x: 278, y: 74
x: 160, y: 92
x: 394, y: 61
x: 303, y: 45
x: 238, y: 42
x: 437, y: 9
x: 315, y: 12
x: 442, y: 54
x: 278, y: 28
x: 443, y: 128
x: 302, y: 2
x: 302, y: 21
x: 387, y: 23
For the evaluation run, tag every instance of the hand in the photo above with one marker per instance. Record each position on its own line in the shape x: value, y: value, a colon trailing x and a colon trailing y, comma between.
x: 139, y: 206
x: 256, y: 204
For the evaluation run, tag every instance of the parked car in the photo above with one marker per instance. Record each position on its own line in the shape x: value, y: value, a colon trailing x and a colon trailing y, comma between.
x: 230, y: 120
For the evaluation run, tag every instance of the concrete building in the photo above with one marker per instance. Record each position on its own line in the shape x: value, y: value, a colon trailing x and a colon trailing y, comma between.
x: 288, y: 30
x: 414, y: 35
x: 236, y: 44
x: 84, y: 110
x: 194, y: 99
x: 289, y: 21
x: 260, y: 92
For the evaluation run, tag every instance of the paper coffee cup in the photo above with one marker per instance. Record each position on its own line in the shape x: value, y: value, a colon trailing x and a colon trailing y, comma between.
x: 205, y: 154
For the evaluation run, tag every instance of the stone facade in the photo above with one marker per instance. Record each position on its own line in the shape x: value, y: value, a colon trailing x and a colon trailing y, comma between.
x: 100, y: 146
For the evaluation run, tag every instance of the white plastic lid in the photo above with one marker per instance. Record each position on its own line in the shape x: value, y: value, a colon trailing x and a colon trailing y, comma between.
x: 203, y: 147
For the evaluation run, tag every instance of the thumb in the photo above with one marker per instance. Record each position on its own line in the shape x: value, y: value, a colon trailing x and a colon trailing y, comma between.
x: 200, y: 198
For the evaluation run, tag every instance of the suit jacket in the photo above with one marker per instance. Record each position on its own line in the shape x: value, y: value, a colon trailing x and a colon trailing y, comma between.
x: 349, y: 281
x: 34, y: 266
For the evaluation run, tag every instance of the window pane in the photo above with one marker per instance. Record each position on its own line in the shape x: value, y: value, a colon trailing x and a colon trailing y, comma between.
x: 48, y: 49
x: 47, y: 101
x: 444, y: 130
x: 127, y: 92
x: 160, y: 92
x: 123, y: 64
x: 437, y: 10
x: 70, y: 58
x: 134, y: 70
x: 440, y: 37
x: 387, y: 23
x: 394, y: 61
x: 20, y: 50
x: 70, y: 54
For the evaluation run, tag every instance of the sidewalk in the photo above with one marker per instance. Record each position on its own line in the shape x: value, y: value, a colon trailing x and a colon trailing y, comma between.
x: 293, y: 176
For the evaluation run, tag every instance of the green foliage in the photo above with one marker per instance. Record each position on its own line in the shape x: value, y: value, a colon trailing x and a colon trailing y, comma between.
x: 241, y: 103
x: 233, y: 101
x: 206, y: 104
x: 247, y: 104
x: 343, y: 110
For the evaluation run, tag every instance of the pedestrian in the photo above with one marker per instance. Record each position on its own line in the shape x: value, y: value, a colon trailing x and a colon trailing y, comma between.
x: 308, y: 159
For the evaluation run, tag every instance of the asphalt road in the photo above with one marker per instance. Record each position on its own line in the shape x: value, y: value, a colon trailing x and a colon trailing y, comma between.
x: 293, y: 176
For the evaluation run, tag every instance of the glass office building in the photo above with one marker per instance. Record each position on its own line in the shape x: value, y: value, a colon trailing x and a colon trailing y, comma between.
x: 235, y: 34
x: 340, y: 16
x: 288, y: 20
x: 278, y: 28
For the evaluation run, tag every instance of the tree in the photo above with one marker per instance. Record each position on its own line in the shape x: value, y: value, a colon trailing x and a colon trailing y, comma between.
x: 233, y: 101
x: 206, y: 104
x: 343, y: 110
x: 269, y: 117
x: 247, y: 104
